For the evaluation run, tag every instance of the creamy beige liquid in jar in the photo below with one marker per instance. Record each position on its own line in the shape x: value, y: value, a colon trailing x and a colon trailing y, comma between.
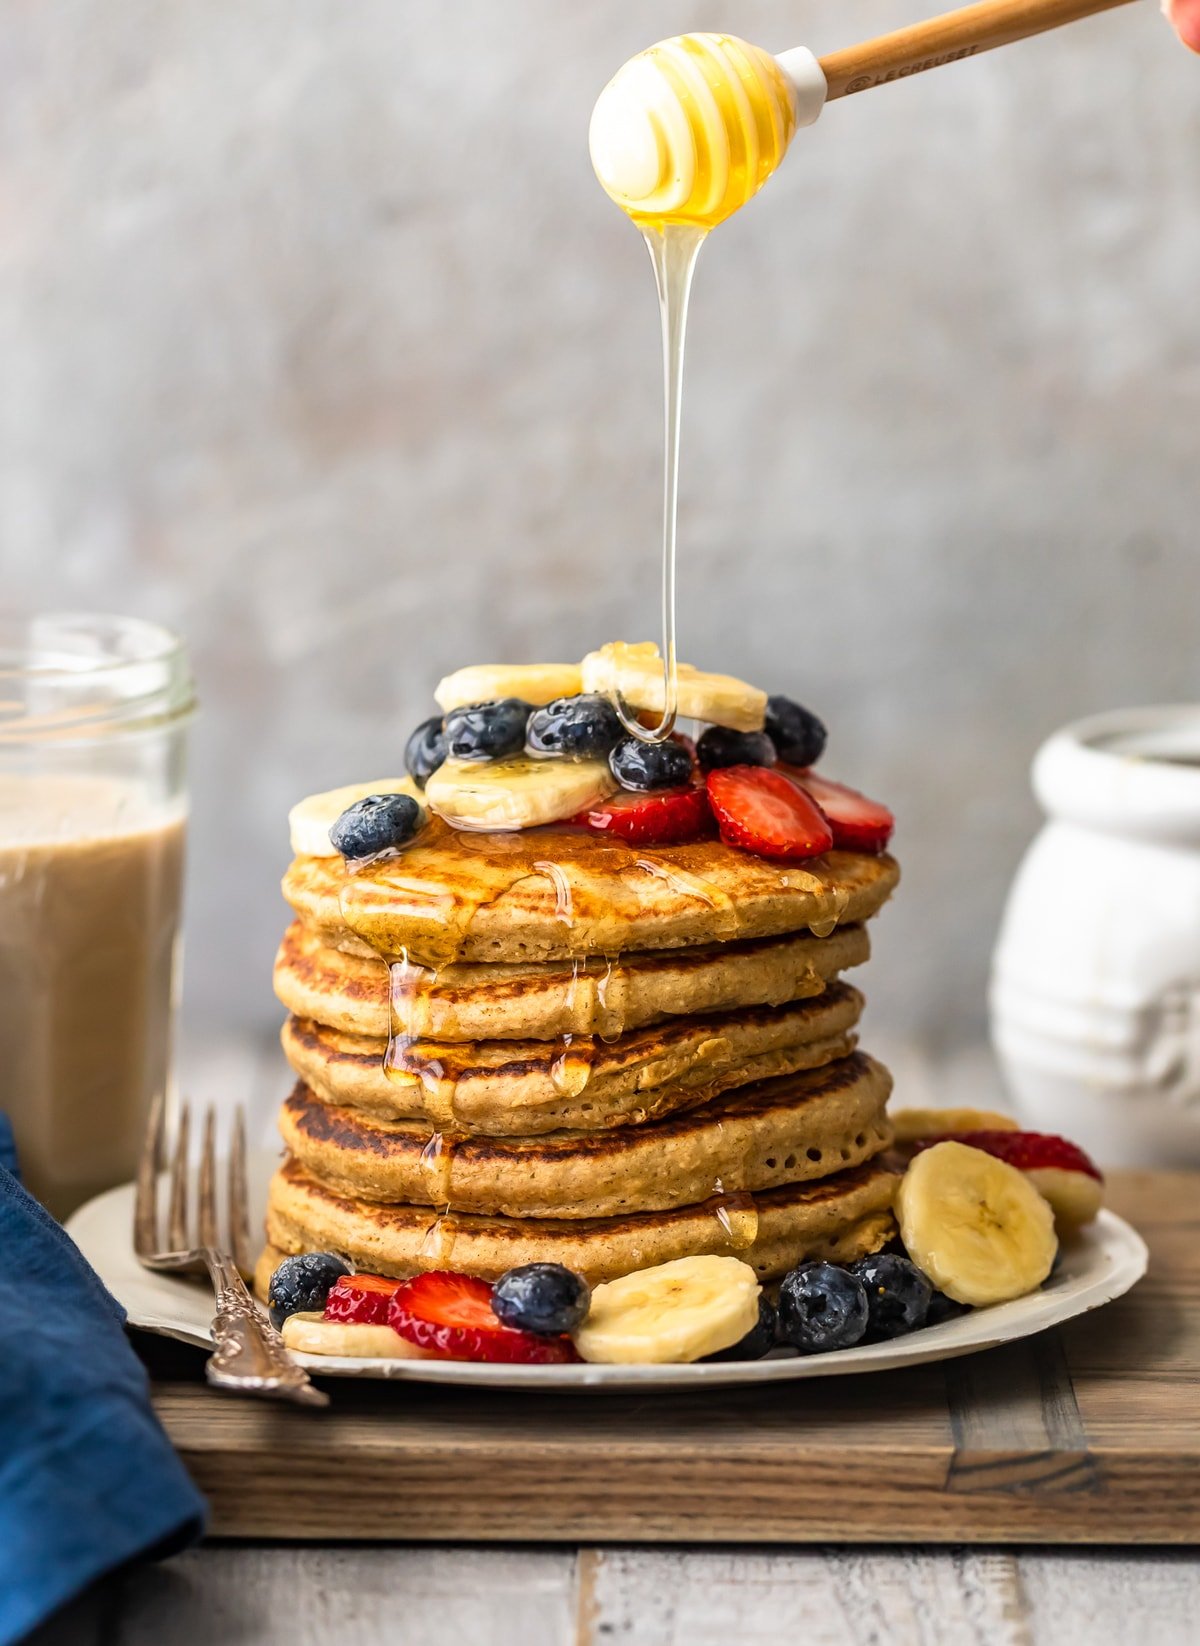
x: 93, y: 718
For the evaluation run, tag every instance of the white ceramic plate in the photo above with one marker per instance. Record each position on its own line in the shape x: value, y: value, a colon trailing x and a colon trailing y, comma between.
x: 1102, y: 1263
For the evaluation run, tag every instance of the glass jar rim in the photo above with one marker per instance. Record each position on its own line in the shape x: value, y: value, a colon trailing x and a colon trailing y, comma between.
x: 74, y: 676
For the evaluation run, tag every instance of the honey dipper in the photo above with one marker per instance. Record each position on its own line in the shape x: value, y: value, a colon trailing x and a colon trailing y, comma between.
x: 690, y: 129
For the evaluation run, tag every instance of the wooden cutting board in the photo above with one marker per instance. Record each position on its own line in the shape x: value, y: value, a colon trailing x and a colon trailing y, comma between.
x: 1087, y: 1434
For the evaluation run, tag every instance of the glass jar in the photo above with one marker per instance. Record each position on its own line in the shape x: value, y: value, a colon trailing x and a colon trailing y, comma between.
x: 93, y: 719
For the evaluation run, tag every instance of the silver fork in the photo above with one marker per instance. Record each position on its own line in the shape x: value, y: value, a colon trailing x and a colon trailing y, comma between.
x: 250, y: 1356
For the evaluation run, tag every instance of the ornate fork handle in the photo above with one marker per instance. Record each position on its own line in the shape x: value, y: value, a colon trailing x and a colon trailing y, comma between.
x: 250, y: 1356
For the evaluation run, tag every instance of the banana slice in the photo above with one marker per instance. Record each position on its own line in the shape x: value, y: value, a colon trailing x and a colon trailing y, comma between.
x: 672, y: 1314
x: 312, y: 1334
x: 911, y: 1124
x: 535, y: 683
x: 516, y: 794
x: 1074, y: 1197
x: 976, y: 1225
x: 636, y: 673
x: 311, y: 819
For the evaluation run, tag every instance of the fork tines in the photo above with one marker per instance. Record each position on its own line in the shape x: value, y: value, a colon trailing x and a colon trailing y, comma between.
x: 153, y: 1161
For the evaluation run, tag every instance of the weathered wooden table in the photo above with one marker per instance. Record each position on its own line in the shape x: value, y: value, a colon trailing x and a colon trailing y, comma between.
x: 1096, y: 1412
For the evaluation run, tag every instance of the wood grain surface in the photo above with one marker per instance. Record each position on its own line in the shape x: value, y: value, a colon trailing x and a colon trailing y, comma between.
x: 1084, y: 1435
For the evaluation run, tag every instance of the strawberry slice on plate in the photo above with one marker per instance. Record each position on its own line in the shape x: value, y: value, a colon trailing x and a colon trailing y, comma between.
x: 658, y: 817
x: 1059, y: 1170
x: 858, y: 824
x: 761, y: 810
x: 363, y: 1299
x: 452, y: 1315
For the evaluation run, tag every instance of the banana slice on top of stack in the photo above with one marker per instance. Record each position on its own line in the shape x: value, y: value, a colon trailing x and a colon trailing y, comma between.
x: 523, y: 789
x: 534, y: 683
x: 311, y: 819
x: 634, y: 675
x: 517, y: 793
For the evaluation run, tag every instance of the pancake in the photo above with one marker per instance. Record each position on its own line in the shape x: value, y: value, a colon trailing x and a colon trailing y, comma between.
x: 539, y: 1001
x: 758, y: 1137
x: 553, y: 894
x: 506, y: 1087
x: 840, y: 1217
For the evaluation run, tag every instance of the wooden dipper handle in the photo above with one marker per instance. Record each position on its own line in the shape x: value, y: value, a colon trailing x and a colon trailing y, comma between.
x: 947, y: 39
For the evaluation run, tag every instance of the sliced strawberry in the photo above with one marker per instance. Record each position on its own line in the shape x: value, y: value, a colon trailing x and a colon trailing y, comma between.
x: 761, y: 810
x: 1027, y: 1151
x: 656, y: 818
x: 361, y: 1298
x: 858, y: 824
x: 452, y: 1315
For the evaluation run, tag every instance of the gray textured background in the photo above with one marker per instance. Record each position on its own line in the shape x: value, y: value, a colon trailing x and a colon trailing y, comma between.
x: 319, y: 341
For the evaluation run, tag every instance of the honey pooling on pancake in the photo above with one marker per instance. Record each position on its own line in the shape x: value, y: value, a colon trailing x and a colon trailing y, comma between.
x: 737, y: 1214
x: 437, y: 927
x: 591, y: 905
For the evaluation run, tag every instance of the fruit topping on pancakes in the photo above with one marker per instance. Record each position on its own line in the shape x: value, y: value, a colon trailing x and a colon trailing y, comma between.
x: 798, y: 736
x: 673, y: 1313
x: 311, y: 819
x: 1069, y: 1179
x: 661, y: 818
x: 487, y: 731
x: 911, y: 1124
x: 520, y: 793
x: 858, y: 824
x: 425, y: 750
x: 633, y: 675
x: 975, y: 1225
x: 303, y: 1282
x: 763, y: 811
x: 721, y: 747
x: 376, y: 824
x: 361, y: 1297
x: 822, y: 1307
x: 526, y: 746
x: 644, y: 766
x: 586, y: 727
x: 452, y: 1314
x: 541, y: 1297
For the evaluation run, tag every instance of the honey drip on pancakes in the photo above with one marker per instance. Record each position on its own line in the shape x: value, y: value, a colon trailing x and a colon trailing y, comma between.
x: 757, y: 121
x: 673, y: 249
x: 419, y: 922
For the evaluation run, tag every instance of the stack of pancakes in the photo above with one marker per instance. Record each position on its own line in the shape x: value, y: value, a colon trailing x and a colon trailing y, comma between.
x: 555, y: 1047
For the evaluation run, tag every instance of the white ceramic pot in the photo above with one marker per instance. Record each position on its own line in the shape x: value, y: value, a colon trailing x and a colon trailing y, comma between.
x: 1095, y: 996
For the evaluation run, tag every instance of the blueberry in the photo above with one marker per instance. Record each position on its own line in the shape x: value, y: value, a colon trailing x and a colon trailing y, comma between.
x: 638, y: 765
x: 541, y: 1297
x: 303, y: 1283
x: 377, y: 824
x: 758, y: 1341
x: 898, y: 1294
x: 721, y: 747
x: 487, y: 731
x: 821, y: 1307
x: 425, y: 750
x: 581, y: 728
x: 798, y: 736
x: 943, y: 1308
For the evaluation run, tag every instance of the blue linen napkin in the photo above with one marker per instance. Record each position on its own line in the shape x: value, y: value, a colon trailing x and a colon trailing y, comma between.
x: 88, y: 1478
